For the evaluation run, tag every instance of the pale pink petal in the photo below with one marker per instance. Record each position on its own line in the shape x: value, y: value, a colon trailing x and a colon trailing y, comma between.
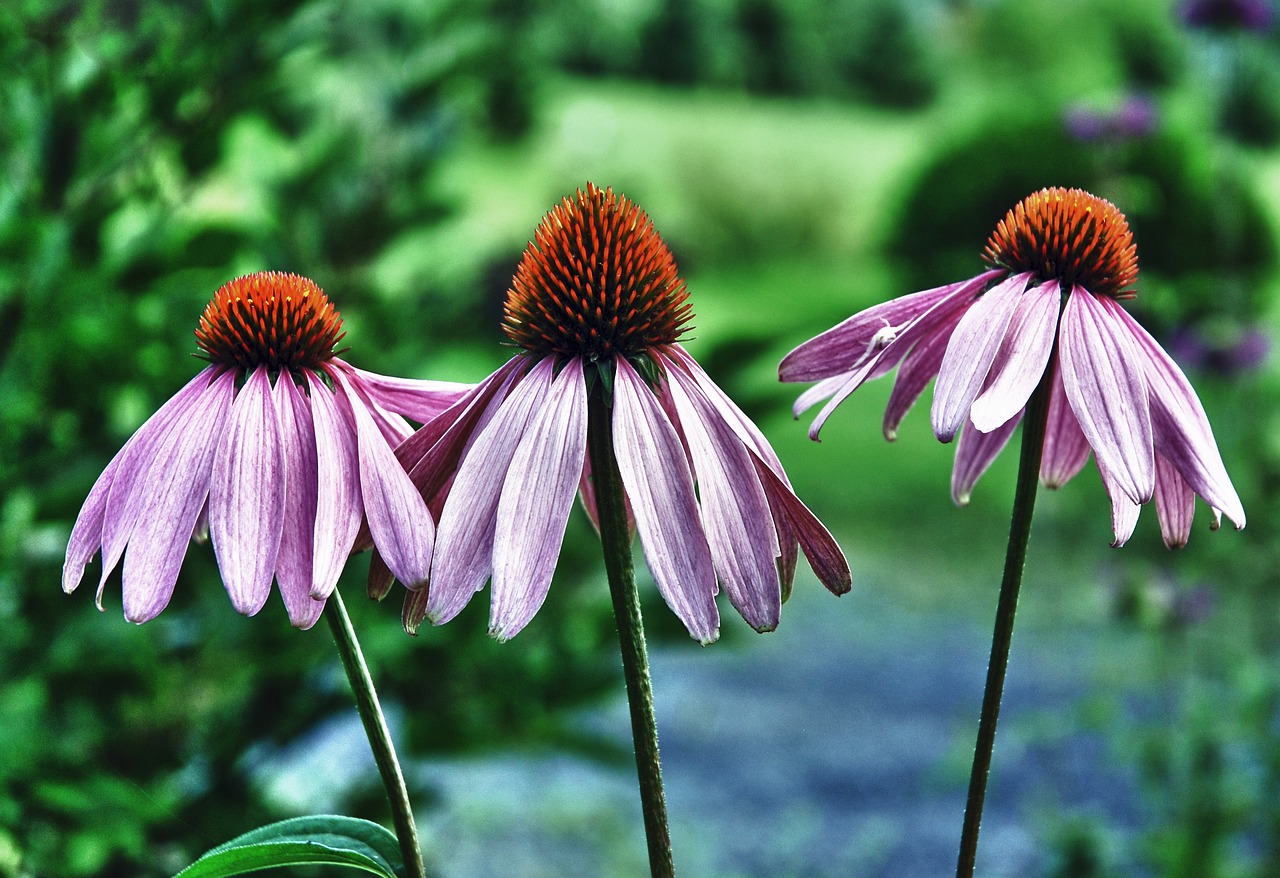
x: 398, y: 519
x: 338, y: 499
x: 295, y: 564
x: 974, y: 455
x: 970, y: 353
x: 735, y: 511
x: 823, y: 552
x: 1066, y: 450
x: 110, y: 520
x: 176, y: 483
x: 536, y: 498
x: 1175, y: 504
x: 1180, y: 426
x: 246, y: 496
x: 918, y: 368
x: 853, y: 381
x: 394, y: 429
x: 418, y: 399
x: 1021, y: 359
x: 464, y: 539
x: 820, y: 391
x: 1124, y: 512
x: 1103, y: 375
x: 844, y: 346
x: 656, y: 476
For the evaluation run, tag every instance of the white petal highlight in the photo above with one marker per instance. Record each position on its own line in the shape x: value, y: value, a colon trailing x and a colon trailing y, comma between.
x: 338, y: 500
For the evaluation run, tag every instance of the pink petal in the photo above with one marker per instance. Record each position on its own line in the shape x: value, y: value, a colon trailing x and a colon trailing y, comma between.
x: 975, y: 453
x: 174, y: 486
x: 537, y: 495
x: 970, y: 353
x: 735, y: 511
x: 823, y: 552
x: 1124, y: 512
x: 338, y: 497
x: 1180, y: 425
x: 418, y: 399
x: 465, y: 538
x: 843, y: 347
x: 1021, y: 359
x: 918, y: 368
x: 1065, y: 449
x: 295, y: 564
x: 379, y: 580
x: 246, y: 496
x: 398, y: 519
x: 852, y: 382
x: 1175, y: 504
x: 1103, y: 375
x: 656, y: 476
x: 818, y: 392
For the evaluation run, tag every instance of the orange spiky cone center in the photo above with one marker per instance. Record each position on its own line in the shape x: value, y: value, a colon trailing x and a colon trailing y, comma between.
x: 597, y: 281
x: 270, y: 318
x: 1070, y: 236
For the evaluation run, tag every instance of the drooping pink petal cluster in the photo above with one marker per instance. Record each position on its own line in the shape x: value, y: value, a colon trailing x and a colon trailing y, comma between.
x: 277, y: 450
x: 1062, y: 259
x: 597, y: 291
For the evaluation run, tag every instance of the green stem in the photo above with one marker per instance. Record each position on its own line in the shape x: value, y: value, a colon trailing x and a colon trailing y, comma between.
x: 615, y: 539
x: 1024, y: 501
x: 375, y: 728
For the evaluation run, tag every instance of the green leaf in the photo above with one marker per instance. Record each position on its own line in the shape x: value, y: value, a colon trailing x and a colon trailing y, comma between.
x: 325, y: 840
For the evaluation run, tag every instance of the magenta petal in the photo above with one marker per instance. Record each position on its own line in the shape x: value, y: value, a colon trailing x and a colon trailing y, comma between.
x: 246, y: 496
x: 1021, y: 359
x: 465, y: 537
x: 656, y: 476
x: 418, y: 399
x: 735, y: 511
x: 177, y: 483
x: 974, y: 455
x: 918, y: 368
x: 1175, y: 504
x: 399, y: 522
x: 1181, y: 427
x: 86, y: 534
x: 1102, y: 373
x: 823, y: 552
x: 1066, y: 450
x: 338, y: 499
x: 970, y: 353
x: 295, y: 564
x: 1124, y: 512
x: 818, y: 392
x: 537, y: 496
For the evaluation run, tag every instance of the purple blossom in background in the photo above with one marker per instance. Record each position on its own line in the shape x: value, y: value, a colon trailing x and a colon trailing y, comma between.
x: 1228, y: 15
x: 1135, y: 117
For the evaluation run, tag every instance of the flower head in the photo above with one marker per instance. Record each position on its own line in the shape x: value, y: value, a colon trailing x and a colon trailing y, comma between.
x: 1061, y: 260
x: 276, y: 450
x: 596, y: 300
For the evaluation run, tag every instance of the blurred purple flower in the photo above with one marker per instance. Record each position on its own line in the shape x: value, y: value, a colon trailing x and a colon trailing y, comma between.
x: 1244, y: 352
x: 1135, y: 117
x: 1228, y: 15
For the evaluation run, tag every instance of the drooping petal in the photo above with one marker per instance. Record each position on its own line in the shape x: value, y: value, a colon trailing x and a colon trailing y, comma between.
x: 656, y: 476
x: 1066, y: 450
x: 398, y: 519
x: 418, y: 399
x: 295, y: 564
x: 970, y: 353
x: 1102, y: 372
x: 1124, y: 512
x: 379, y: 580
x: 974, y: 455
x: 110, y: 520
x: 823, y: 552
x: 735, y: 511
x: 246, y: 496
x: 1175, y: 504
x: 464, y: 539
x: 536, y: 498
x: 338, y: 499
x: 845, y: 345
x: 1180, y: 425
x: 818, y: 392
x: 176, y: 483
x: 1021, y: 359
x: 852, y: 382
x: 918, y: 368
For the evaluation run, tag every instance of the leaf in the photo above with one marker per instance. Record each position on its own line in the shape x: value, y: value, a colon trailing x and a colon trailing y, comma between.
x: 324, y: 840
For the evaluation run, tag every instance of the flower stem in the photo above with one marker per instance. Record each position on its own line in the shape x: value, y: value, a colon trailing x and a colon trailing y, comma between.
x: 375, y: 728
x: 1024, y: 501
x: 615, y: 539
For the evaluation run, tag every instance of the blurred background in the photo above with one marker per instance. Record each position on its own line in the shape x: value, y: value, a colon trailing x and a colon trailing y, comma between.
x: 803, y: 161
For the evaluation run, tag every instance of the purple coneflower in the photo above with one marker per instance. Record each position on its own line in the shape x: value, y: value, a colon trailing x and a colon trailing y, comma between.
x: 276, y: 451
x: 1062, y: 261
x: 597, y: 299
x: 1228, y: 15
